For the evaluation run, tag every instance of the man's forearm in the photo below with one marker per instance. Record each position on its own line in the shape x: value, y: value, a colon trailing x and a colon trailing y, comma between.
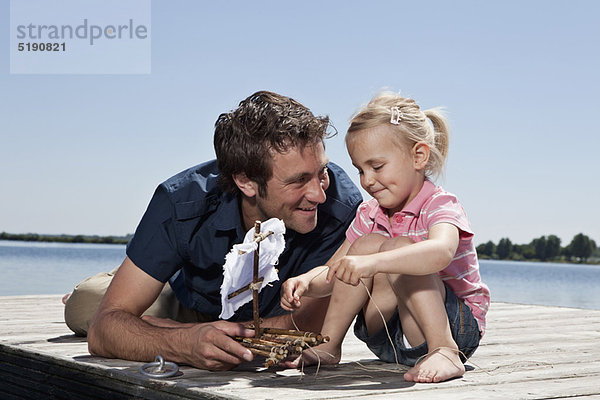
x: 119, y: 334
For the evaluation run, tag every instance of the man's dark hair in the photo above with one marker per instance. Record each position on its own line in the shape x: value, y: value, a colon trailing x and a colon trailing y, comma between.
x: 262, y: 123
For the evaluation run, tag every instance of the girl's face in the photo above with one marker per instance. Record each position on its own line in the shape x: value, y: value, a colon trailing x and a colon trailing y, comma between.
x: 390, y: 172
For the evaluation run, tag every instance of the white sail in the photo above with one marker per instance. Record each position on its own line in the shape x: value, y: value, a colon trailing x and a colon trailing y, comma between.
x: 239, y: 265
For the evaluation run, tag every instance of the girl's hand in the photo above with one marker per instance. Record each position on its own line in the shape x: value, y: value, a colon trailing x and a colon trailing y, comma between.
x: 292, y: 290
x: 350, y: 269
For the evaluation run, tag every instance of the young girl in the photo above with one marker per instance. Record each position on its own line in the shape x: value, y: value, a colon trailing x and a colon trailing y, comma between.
x: 408, y: 256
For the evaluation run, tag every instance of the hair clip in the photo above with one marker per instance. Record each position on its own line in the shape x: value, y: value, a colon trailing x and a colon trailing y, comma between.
x: 396, y: 115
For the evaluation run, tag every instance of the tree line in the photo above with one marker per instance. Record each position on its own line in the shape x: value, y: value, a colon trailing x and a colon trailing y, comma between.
x: 35, y: 237
x: 546, y: 248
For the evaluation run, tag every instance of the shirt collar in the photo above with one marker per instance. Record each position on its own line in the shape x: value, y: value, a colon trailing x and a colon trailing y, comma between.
x: 227, y: 213
x: 228, y: 217
x: 415, y: 205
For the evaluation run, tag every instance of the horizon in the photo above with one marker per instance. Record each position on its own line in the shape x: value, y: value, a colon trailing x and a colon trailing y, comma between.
x: 562, y: 242
x: 83, y: 153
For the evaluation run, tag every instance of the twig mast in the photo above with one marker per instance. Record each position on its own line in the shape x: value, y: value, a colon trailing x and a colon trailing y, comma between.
x: 255, y: 282
x: 274, y: 344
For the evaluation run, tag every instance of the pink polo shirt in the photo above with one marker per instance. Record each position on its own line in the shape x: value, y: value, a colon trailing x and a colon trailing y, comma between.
x: 431, y: 206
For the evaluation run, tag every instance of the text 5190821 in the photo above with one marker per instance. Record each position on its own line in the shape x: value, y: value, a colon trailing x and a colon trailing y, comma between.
x: 42, y: 46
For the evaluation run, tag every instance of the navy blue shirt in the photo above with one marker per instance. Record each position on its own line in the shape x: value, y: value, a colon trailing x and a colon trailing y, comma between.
x: 191, y: 224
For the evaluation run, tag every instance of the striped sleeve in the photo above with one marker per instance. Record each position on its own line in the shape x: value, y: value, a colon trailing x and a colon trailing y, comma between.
x: 362, y: 223
x: 444, y: 207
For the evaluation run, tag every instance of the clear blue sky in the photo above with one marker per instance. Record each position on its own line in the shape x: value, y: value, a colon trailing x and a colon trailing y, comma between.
x: 519, y: 80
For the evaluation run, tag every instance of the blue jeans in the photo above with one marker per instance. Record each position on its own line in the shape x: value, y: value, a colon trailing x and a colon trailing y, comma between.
x: 464, y: 328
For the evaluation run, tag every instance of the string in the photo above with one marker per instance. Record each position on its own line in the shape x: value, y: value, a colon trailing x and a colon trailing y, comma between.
x: 309, y: 348
x: 380, y: 314
x: 457, y: 351
x: 387, y: 332
x: 378, y: 310
x: 401, y: 368
x: 331, y: 355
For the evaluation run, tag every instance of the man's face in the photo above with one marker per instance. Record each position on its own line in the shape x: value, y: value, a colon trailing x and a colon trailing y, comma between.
x: 296, y: 188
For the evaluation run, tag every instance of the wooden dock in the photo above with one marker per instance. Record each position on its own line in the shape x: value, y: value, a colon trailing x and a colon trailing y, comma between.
x: 529, y: 352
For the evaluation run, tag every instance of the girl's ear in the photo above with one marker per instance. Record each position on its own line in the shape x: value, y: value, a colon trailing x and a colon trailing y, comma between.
x: 420, y: 153
x: 248, y: 187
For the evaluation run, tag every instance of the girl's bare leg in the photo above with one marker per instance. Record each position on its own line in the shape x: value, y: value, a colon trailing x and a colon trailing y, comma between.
x: 345, y: 303
x: 309, y: 317
x: 423, y: 317
x: 422, y: 311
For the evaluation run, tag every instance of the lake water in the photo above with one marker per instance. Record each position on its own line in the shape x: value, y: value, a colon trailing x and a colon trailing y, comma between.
x: 54, y: 268
x: 569, y: 285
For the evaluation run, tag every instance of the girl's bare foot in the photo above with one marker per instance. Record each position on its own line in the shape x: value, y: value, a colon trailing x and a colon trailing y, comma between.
x: 324, y: 354
x: 440, y: 365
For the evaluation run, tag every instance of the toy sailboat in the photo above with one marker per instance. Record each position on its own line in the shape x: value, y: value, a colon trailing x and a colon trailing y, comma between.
x: 247, y: 270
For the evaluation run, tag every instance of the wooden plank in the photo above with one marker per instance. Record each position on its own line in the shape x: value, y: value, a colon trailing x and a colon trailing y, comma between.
x: 528, y: 352
x: 584, y: 387
x: 53, y: 375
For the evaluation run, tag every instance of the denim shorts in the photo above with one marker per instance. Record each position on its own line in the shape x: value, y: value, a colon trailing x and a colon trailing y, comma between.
x: 464, y: 328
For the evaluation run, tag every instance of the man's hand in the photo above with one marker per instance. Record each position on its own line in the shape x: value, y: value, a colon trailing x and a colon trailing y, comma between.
x: 118, y: 331
x: 212, y: 347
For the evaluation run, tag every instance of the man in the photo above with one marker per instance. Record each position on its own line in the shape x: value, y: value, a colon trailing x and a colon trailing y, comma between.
x: 271, y: 162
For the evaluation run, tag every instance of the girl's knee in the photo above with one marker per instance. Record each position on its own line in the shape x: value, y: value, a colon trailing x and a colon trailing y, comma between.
x: 395, y: 243
x: 407, y: 285
x: 367, y: 244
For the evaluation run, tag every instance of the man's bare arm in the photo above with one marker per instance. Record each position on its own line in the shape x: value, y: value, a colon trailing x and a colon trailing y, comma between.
x: 117, y: 330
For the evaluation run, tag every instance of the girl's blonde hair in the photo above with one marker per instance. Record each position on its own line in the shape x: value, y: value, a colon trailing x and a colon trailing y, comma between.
x: 411, y: 125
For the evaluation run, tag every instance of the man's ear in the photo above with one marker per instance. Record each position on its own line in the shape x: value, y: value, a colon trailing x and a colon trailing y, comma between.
x: 248, y: 187
x: 420, y: 153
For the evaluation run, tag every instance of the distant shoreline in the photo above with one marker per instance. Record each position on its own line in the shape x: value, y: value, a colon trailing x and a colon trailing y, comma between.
x: 34, y: 237
x: 591, y: 261
x: 96, y: 239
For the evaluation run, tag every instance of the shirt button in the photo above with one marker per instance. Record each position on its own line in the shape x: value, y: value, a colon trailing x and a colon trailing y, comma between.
x: 398, y: 218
